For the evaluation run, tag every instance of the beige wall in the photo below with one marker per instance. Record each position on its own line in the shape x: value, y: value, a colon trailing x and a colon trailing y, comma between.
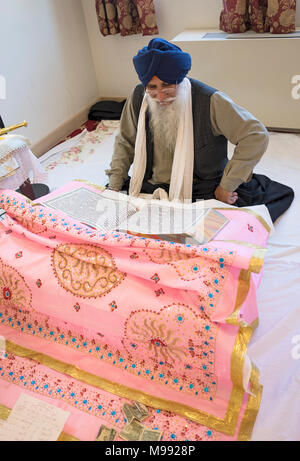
x: 47, y: 64
x: 257, y: 75
x: 113, y: 54
x: 56, y: 62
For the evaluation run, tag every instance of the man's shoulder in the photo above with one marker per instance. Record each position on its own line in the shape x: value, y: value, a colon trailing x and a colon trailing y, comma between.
x: 137, y: 97
x: 202, y: 88
x: 138, y: 91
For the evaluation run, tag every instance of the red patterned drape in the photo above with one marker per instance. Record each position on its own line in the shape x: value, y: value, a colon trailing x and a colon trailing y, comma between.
x: 126, y: 17
x: 275, y: 16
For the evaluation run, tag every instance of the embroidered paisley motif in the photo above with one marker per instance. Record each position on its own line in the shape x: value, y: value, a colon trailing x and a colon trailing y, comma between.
x: 168, y: 341
x: 85, y: 270
x: 14, y: 291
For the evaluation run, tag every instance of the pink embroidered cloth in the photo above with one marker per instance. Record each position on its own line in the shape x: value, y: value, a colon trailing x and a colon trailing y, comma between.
x: 120, y: 318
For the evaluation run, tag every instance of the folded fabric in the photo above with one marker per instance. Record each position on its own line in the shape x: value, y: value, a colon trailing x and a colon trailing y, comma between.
x: 164, y: 324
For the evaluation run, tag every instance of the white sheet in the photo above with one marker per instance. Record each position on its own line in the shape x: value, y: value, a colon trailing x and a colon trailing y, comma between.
x: 271, y: 348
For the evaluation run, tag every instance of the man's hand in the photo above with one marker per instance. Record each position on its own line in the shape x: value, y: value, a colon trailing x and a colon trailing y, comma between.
x: 225, y: 196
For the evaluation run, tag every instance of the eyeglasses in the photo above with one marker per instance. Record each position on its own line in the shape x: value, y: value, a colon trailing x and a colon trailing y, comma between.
x: 167, y: 89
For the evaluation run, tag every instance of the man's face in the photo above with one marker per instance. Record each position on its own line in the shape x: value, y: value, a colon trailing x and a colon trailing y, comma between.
x: 161, y: 92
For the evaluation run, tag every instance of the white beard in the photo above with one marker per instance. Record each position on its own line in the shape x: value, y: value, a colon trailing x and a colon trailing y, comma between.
x: 164, y: 120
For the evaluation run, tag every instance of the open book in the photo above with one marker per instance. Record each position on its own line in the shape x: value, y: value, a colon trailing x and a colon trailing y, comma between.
x: 109, y: 211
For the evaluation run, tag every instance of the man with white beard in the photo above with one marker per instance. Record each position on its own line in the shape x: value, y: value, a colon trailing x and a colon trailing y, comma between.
x: 175, y: 130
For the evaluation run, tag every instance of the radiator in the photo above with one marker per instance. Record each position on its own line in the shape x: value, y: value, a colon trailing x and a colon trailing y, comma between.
x: 260, y: 73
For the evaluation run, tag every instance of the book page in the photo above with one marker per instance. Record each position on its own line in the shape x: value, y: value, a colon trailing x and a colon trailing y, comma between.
x: 165, y: 218
x: 32, y: 419
x: 212, y: 223
x: 93, y: 208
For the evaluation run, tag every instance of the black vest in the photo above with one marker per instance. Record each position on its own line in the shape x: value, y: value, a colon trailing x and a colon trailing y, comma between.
x: 210, y: 152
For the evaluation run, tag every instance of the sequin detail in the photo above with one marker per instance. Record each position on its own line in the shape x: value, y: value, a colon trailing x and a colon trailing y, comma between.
x: 85, y: 270
x: 32, y: 377
x: 14, y: 290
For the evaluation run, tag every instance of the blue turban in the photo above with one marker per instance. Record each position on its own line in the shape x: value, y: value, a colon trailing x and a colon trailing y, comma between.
x: 163, y: 60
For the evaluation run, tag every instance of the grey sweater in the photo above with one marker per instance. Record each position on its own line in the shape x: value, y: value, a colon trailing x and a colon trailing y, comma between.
x: 227, y: 118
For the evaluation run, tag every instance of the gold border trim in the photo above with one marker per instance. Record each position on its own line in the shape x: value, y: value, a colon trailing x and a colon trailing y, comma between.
x: 257, y: 257
x: 243, y: 289
x: 247, y: 424
x: 226, y: 426
x: 257, y: 260
x: 63, y: 437
x: 96, y: 186
x: 256, y: 215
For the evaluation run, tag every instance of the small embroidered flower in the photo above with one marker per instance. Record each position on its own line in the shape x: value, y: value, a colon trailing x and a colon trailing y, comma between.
x: 195, y: 268
x: 9, y: 231
x: 250, y: 228
x: 159, y: 292
x: 7, y: 293
x: 77, y: 307
x: 180, y: 318
x: 155, y: 278
x: 113, y: 306
x: 38, y: 283
x: 19, y: 254
x: 52, y: 236
x: 134, y: 256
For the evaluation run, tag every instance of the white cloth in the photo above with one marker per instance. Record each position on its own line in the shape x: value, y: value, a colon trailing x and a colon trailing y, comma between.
x: 181, y: 184
x: 10, y: 143
x: 29, y: 167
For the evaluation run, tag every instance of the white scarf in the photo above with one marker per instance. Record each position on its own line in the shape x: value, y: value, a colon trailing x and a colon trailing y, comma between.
x: 181, y: 184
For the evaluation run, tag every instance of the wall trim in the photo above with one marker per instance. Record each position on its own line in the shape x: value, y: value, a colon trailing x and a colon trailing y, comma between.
x: 61, y: 132
x: 283, y: 130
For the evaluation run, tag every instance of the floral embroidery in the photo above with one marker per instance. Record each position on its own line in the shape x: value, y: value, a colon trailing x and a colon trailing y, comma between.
x: 149, y: 350
x: 77, y: 307
x: 19, y: 254
x: 155, y: 278
x: 85, y: 270
x: 134, y: 256
x: 32, y: 223
x: 13, y: 287
x: 191, y: 267
x: 38, y: 283
x: 163, y: 338
x: 85, y: 146
x: 250, y: 228
x: 113, y: 306
x: 187, y: 264
x: 6, y: 293
x: 31, y: 376
x: 159, y: 292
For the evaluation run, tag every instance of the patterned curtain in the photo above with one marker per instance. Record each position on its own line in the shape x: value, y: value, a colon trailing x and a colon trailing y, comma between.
x: 126, y: 17
x: 275, y: 16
